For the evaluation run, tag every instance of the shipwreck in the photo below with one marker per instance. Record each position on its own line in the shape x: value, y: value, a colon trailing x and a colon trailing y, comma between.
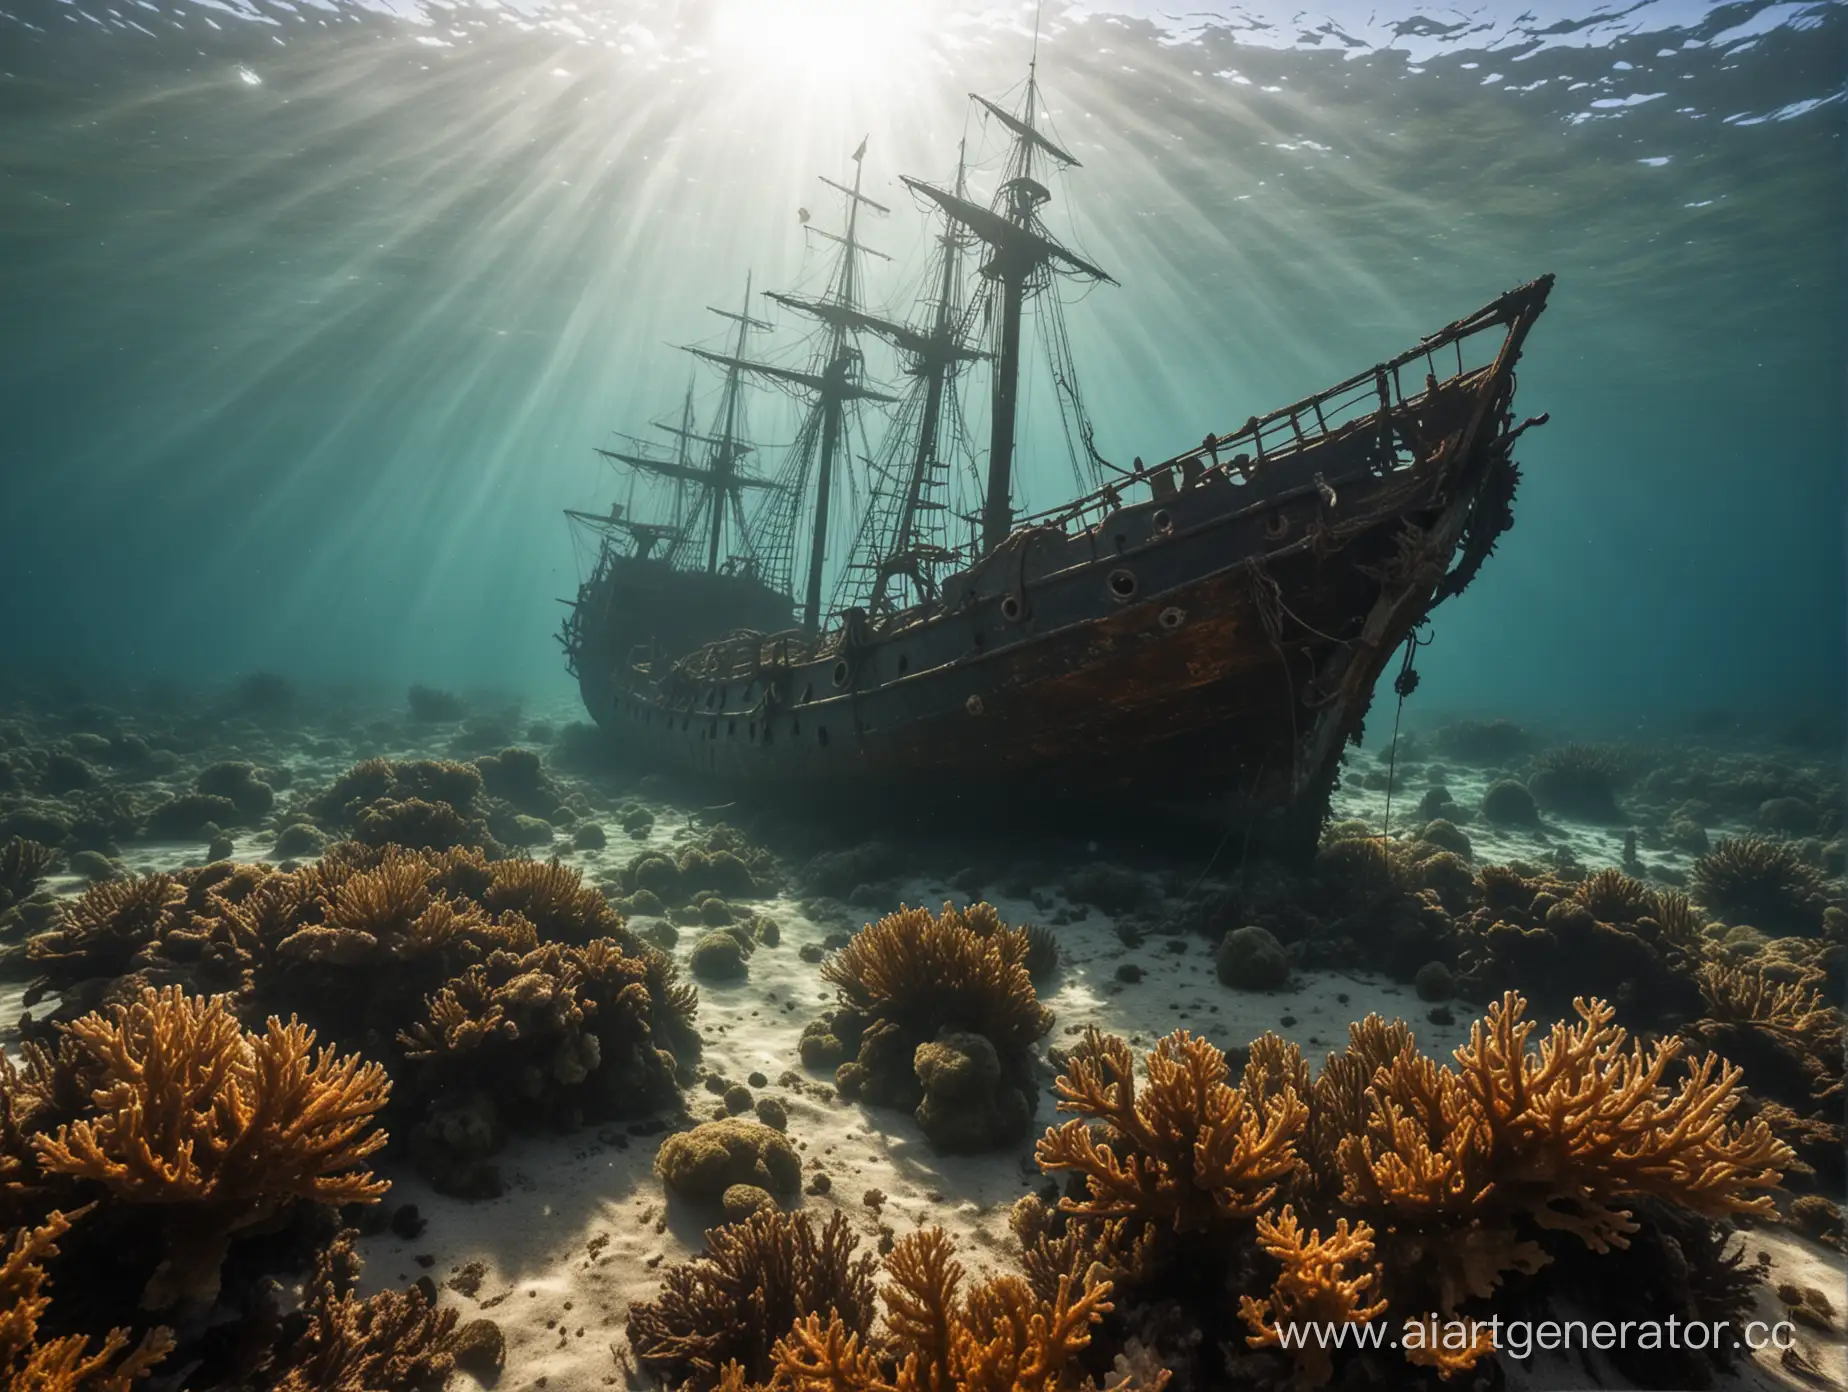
x: 1199, y: 637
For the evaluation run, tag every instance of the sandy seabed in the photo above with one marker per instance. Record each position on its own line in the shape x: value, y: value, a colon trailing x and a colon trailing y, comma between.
x: 584, y: 1227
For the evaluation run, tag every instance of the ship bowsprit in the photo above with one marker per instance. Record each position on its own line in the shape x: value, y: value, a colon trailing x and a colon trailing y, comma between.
x: 1207, y: 650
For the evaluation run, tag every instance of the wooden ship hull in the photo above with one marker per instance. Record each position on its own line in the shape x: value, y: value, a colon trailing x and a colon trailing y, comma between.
x: 1208, y: 650
x: 640, y: 609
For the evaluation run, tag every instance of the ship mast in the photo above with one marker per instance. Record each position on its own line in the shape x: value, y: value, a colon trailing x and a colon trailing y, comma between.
x: 720, y: 482
x: 833, y: 381
x: 1024, y: 258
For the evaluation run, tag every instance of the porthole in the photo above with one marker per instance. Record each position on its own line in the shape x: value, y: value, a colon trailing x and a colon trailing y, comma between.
x: 1122, y: 584
x: 1164, y: 523
x: 1172, y: 618
x: 1010, y: 608
x: 842, y: 672
x: 1276, y: 526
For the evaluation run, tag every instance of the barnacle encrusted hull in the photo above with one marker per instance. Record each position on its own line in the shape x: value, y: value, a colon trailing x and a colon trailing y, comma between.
x: 1211, y: 647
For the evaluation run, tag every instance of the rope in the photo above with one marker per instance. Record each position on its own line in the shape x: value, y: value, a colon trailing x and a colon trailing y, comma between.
x: 1404, y: 684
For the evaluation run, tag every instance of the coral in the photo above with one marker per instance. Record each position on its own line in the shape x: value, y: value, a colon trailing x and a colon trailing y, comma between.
x: 518, y: 776
x: 554, y: 1034
x: 1561, y: 1138
x: 390, y: 1342
x: 101, y: 932
x: 719, y: 956
x: 23, y: 863
x: 1508, y: 803
x: 213, y: 1130
x: 239, y: 783
x: 966, y: 1108
x: 50, y: 1089
x: 1606, y: 935
x: 1188, y: 1150
x: 754, y: 1281
x: 951, y: 970
x: 1251, y: 959
x: 1746, y: 995
x: 939, y: 1007
x: 67, y: 1364
x: 419, y: 825
x: 385, y: 781
x: 1762, y: 882
x: 999, y: 1337
x: 1316, y: 1289
x: 188, y: 816
x: 1578, y: 780
x: 554, y: 898
x: 701, y: 1164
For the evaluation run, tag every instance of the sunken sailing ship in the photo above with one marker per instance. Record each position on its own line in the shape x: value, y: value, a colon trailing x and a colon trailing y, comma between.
x: 1202, y: 636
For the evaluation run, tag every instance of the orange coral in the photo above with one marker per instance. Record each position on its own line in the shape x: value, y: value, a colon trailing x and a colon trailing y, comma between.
x: 67, y: 1364
x: 755, y: 1280
x: 1313, y: 1292
x: 394, y: 1341
x: 1000, y: 1337
x: 1187, y: 1151
x: 100, y: 932
x: 928, y: 972
x: 1559, y: 1137
x: 1745, y: 995
x: 216, y: 1127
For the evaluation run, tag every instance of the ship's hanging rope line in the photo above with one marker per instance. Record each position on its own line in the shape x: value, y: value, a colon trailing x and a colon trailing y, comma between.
x: 1404, y: 684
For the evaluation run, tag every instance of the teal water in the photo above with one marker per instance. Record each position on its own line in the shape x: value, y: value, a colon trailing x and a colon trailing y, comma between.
x: 311, y: 313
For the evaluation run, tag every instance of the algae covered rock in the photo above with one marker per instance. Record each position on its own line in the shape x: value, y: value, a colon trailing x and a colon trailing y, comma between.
x: 1508, y: 803
x: 718, y: 956
x: 300, y: 839
x: 967, y: 1106
x: 701, y: 1164
x: 740, y: 1201
x: 1251, y: 959
x: 1434, y: 982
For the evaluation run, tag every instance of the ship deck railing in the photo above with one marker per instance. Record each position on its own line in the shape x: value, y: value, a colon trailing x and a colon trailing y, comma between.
x: 1376, y: 396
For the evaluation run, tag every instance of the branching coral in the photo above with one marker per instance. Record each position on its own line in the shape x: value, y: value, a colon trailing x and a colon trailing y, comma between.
x: 1325, y: 1282
x: 755, y: 1280
x: 554, y: 898
x: 1746, y: 995
x: 1764, y: 883
x: 23, y: 863
x: 383, y: 801
x: 1561, y: 1137
x: 925, y: 972
x: 68, y: 1364
x: 999, y: 1337
x: 392, y: 1342
x: 215, y: 1129
x: 99, y: 933
x: 942, y: 1010
x: 1606, y: 935
x: 1186, y: 1151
